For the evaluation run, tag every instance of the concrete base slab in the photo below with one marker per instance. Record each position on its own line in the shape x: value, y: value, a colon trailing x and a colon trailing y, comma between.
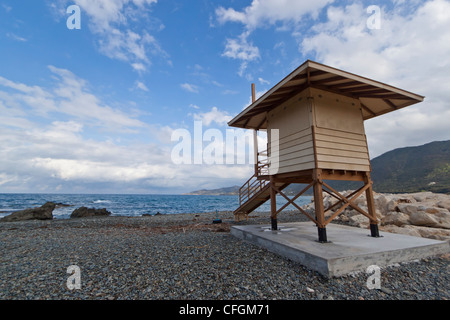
x: 350, y: 249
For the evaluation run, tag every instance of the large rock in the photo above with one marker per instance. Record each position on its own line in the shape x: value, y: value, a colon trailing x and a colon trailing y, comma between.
x: 421, y: 218
x: 89, y: 212
x: 417, y: 231
x: 44, y: 212
x: 444, y: 204
x: 401, y: 230
x: 395, y: 218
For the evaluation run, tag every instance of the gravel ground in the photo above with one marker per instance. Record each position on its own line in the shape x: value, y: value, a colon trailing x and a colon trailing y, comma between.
x: 183, y: 257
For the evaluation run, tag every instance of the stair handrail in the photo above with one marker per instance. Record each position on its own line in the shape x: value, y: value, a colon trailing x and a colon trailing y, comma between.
x: 250, y: 189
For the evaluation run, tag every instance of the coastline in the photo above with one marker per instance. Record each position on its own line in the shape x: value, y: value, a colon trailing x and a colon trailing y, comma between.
x: 182, y: 257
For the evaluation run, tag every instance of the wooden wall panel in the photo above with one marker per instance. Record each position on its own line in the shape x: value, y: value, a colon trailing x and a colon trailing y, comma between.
x: 340, y: 138
x: 294, y: 149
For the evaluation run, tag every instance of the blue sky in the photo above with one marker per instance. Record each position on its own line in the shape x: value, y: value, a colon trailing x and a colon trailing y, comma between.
x: 93, y: 110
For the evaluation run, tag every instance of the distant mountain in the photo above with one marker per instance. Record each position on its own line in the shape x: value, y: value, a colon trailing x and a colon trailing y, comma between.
x: 410, y: 169
x: 217, y: 192
x: 413, y: 169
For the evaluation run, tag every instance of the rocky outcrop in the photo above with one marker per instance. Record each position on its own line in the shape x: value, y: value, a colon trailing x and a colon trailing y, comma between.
x: 423, y: 214
x: 83, y: 212
x: 45, y: 212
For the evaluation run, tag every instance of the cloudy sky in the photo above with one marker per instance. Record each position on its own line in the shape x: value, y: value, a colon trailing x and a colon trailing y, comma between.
x: 94, y: 110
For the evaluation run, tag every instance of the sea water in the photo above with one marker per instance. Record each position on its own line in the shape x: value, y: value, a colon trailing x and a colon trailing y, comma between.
x: 132, y: 204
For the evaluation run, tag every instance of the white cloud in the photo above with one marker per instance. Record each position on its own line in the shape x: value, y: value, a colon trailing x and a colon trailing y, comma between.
x: 215, y: 115
x: 229, y: 92
x: 189, y: 87
x: 139, y: 67
x: 110, y: 20
x: 70, y: 97
x: 262, y: 12
x: 16, y: 37
x: 141, y: 85
x: 77, y: 145
x: 262, y: 81
x: 7, y: 8
x: 240, y: 49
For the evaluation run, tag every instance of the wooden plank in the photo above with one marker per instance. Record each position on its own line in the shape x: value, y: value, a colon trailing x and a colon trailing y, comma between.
x: 285, y: 142
x: 340, y: 159
x: 321, y: 137
x: 328, y: 80
x: 390, y: 104
x: 301, y: 160
x: 342, y: 153
x: 342, y: 175
x: 367, y: 109
x: 293, y: 155
x: 339, y: 133
x: 293, y: 149
x: 343, y: 166
x: 340, y: 146
x: 356, y: 88
x: 293, y: 168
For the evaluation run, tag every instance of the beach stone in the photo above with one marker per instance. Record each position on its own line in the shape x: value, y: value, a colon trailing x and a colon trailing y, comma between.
x: 391, y: 206
x: 444, y: 204
x: 407, y: 208
x: 45, y: 212
x: 381, y: 203
x: 443, y: 219
x: 396, y: 218
x: 83, y: 212
x: 423, y: 196
x: 421, y: 218
x: 431, y: 233
x: 401, y: 230
x: 359, y: 221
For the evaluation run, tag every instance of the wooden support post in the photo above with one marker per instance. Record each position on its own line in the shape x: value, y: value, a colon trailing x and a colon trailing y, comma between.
x: 273, y: 205
x: 255, y: 135
x: 371, y: 207
x: 318, y: 204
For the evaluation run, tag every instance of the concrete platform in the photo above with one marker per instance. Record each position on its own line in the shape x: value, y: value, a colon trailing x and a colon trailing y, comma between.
x: 350, y: 249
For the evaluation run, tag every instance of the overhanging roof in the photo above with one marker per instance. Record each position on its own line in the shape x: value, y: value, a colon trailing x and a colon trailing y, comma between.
x: 376, y: 98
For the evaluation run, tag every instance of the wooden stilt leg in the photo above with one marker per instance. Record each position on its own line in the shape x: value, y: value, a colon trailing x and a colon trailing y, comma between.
x: 273, y: 206
x: 371, y: 207
x: 318, y: 204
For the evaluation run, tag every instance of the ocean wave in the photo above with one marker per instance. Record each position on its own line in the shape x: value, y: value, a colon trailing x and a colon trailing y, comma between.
x: 102, y: 201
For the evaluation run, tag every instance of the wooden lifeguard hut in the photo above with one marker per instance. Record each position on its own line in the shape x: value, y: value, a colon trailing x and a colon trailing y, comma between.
x: 314, y: 120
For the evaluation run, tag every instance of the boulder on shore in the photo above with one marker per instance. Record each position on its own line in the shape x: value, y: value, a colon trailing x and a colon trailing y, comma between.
x: 83, y: 212
x: 45, y: 212
x: 422, y: 214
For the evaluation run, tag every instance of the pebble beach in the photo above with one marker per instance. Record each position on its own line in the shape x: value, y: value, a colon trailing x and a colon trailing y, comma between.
x: 183, y: 257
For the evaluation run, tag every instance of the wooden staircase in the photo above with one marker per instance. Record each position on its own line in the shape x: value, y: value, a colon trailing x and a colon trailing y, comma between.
x: 253, y: 194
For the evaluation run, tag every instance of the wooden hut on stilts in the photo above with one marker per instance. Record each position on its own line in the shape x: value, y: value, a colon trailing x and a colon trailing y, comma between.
x: 314, y: 120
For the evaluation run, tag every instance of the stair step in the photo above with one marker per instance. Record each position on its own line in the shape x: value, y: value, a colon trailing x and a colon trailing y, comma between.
x: 258, y: 199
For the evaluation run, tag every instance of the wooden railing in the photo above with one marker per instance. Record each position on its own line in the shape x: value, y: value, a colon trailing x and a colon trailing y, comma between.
x: 255, y: 185
x: 263, y: 163
x: 250, y: 188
